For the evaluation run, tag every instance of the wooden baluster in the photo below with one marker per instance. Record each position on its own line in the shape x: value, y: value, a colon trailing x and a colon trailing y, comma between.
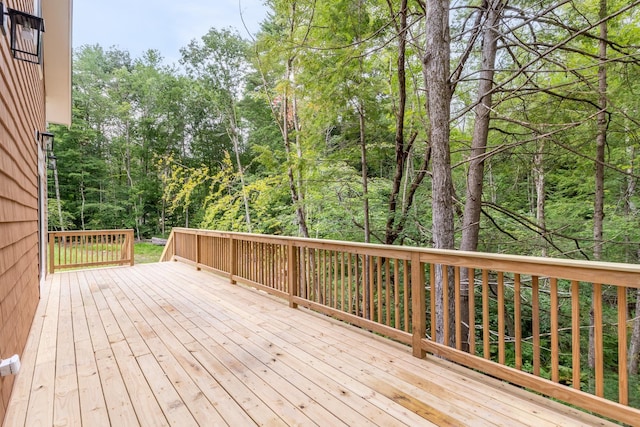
x: 357, y: 284
x: 248, y: 264
x: 283, y: 263
x: 274, y: 270
x: 486, y: 337
x: 432, y: 299
x: 456, y: 280
x: 251, y: 266
x: 396, y: 293
x: 261, y: 263
x: 517, y: 319
x: 419, y: 319
x: 63, y: 255
x: 328, y: 296
x: 623, y: 379
x: 266, y: 265
x: 575, y: 333
x: 334, y: 285
x: 349, y: 282
x: 407, y: 292
x: 445, y: 303
x: 471, y: 274
x: 501, y: 335
x: 197, y: 249
x: 275, y: 267
x: 342, y: 254
x: 323, y: 295
x: 535, y: 319
x: 598, y: 338
x: 555, y: 342
x: 258, y: 264
x: 379, y: 289
x: 292, y: 279
x: 232, y: 260
x: 371, y: 301
x: 387, y: 300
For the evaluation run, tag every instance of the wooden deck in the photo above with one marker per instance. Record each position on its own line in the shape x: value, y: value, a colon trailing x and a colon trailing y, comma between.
x: 164, y: 344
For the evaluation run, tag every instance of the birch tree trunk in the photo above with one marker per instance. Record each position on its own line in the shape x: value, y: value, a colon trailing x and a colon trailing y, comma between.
x: 436, y: 71
x: 235, y: 138
x: 56, y: 183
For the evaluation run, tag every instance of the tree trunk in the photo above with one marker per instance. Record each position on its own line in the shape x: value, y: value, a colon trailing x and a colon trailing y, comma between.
x: 390, y: 231
x: 538, y: 178
x: 56, y: 183
x: 295, y: 192
x: 82, y: 205
x: 436, y: 70
x: 245, y: 198
x: 234, y: 134
x: 475, y: 175
x: 365, y: 178
x: 365, y: 202
x: 634, y: 344
x: 601, y: 141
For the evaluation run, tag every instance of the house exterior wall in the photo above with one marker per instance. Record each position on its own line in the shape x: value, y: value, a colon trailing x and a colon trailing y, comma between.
x: 22, y: 113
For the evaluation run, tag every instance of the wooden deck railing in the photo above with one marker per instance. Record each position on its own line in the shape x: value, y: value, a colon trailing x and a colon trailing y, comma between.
x: 506, y: 311
x: 77, y: 249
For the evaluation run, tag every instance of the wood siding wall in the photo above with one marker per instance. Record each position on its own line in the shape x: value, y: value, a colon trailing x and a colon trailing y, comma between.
x: 22, y: 113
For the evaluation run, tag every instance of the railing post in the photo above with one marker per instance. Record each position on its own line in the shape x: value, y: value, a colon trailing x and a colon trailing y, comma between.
x: 233, y: 267
x: 130, y: 248
x: 197, y: 251
x: 52, y: 258
x: 292, y: 276
x: 419, y: 314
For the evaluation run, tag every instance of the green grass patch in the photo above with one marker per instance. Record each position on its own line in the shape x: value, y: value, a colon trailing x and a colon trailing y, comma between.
x: 145, y: 253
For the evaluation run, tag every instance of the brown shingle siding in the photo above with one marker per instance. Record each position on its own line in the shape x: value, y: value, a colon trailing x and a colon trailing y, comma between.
x: 21, y: 115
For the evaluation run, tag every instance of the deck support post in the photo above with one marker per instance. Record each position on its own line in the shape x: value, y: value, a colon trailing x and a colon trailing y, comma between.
x: 292, y: 273
x: 233, y: 266
x: 419, y: 313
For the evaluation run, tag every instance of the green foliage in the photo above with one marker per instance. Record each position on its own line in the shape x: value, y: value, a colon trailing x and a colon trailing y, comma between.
x: 54, y: 217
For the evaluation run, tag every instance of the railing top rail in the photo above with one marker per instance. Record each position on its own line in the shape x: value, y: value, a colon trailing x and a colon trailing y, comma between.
x: 88, y: 232
x: 591, y: 271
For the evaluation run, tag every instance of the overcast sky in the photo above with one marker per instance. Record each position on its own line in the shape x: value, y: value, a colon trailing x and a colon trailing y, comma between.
x: 165, y: 25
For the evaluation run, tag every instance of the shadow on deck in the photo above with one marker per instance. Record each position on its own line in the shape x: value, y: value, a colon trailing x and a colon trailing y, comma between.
x: 164, y: 344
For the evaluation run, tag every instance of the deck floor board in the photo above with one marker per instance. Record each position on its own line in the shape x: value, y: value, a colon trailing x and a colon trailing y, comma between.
x: 165, y: 344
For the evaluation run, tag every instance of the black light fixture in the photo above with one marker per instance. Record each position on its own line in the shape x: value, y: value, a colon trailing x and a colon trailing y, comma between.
x: 25, y: 34
x: 46, y: 139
